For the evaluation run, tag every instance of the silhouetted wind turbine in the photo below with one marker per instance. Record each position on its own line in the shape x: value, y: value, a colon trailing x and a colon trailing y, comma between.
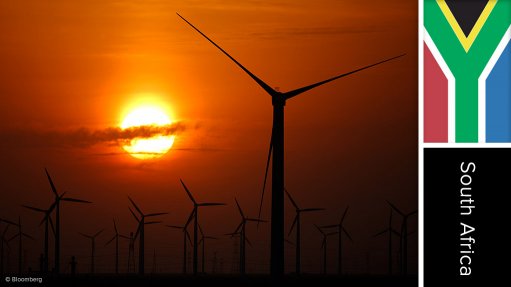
x: 404, y: 237
x: 390, y: 231
x: 116, y: 238
x: 93, y: 247
x: 56, y: 206
x: 196, y: 206
x: 203, y: 242
x: 47, y: 221
x: 19, y: 235
x: 140, y: 231
x: 296, y: 222
x: 2, y: 241
x: 340, y: 231
x: 277, y: 145
x: 324, y: 245
x: 186, y: 236
x: 243, y: 237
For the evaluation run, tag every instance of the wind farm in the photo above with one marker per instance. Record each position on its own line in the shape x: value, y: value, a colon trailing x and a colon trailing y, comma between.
x: 142, y: 153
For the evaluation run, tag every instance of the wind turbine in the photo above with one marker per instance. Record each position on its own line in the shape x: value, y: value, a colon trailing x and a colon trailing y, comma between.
x: 391, y: 231
x: 203, y: 241
x: 47, y: 222
x: 140, y: 231
x: 93, y: 247
x: 186, y: 236
x: 404, y: 237
x: 296, y: 222
x: 340, y: 231
x: 2, y: 241
x: 196, y: 206
x: 324, y: 244
x: 116, y: 237
x: 277, y: 145
x: 243, y: 237
x: 19, y: 235
x: 56, y: 206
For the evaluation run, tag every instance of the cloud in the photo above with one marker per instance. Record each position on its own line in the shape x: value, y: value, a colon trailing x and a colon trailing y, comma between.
x: 84, y: 137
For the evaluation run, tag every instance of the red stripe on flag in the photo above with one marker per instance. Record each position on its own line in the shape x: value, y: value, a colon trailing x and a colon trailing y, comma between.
x: 435, y: 100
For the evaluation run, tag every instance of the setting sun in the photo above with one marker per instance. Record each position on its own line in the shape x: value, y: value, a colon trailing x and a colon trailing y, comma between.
x: 148, y: 148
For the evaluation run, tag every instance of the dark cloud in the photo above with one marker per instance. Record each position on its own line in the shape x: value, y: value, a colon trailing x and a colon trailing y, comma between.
x: 83, y: 137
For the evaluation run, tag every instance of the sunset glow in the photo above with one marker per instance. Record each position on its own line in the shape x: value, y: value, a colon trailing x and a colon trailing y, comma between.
x: 148, y: 148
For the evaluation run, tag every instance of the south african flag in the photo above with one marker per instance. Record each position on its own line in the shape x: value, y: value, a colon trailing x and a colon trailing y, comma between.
x: 467, y: 71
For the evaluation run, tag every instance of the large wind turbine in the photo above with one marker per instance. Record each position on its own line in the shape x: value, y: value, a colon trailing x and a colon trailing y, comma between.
x: 47, y: 222
x: 297, y: 223
x: 340, y: 231
x: 391, y: 231
x: 140, y: 232
x: 404, y: 237
x: 19, y: 235
x: 56, y: 206
x: 186, y: 236
x: 116, y: 238
x: 196, y: 206
x: 243, y: 237
x: 277, y: 145
x: 93, y: 247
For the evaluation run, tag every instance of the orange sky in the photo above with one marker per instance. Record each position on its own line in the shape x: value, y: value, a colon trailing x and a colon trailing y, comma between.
x: 71, y: 64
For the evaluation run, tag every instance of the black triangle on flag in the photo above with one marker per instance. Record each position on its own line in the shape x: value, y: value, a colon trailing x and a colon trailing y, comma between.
x: 466, y: 12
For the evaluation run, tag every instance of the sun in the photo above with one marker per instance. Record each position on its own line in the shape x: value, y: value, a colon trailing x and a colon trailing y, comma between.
x: 147, y: 148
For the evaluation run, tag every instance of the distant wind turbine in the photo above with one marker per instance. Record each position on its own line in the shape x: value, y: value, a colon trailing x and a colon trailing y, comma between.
x: 19, y: 235
x: 116, y: 238
x: 243, y: 237
x: 203, y: 242
x: 277, y: 145
x: 390, y: 231
x: 404, y: 237
x: 340, y: 231
x: 56, y: 206
x: 93, y: 247
x: 47, y: 222
x: 324, y: 245
x: 186, y: 236
x: 3, y: 241
x: 297, y: 223
x: 196, y: 206
x: 140, y: 232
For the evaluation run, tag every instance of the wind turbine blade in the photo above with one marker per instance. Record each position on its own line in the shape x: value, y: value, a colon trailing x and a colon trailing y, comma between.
x: 188, y: 192
x: 124, y: 236
x: 210, y: 204
x: 396, y: 233
x: 239, y: 208
x: 263, y: 85
x: 75, y: 200
x: 175, y: 226
x: 323, y: 242
x: 5, y: 230
x: 265, y: 175
x: 26, y: 235
x: 51, y: 225
x: 133, y: 213
x: 395, y: 208
x: 188, y: 236
x: 289, y: 241
x: 136, y: 207
x: 110, y: 240
x: 311, y: 209
x: 200, y: 230
x: 51, y: 182
x: 296, y: 92
x: 239, y: 226
x: 344, y: 214
x: 256, y: 220
x: 381, y: 232
x: 34, y: 208
x: 291, y: 199
x: 411, y: 213
x: 189, y: 218
x: 156, y: 214
x: 84, y: 235
x: 248, y: 241
x: 347, y: 234
x: 115, y: 227
x: 9, y: 222
x: 13, y: 237
x: 293, y: 225
x: 98, y: 233
x: 330, y: 226
x: 138, y: 231
x: 319, y: 229
x: 153, y: 222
